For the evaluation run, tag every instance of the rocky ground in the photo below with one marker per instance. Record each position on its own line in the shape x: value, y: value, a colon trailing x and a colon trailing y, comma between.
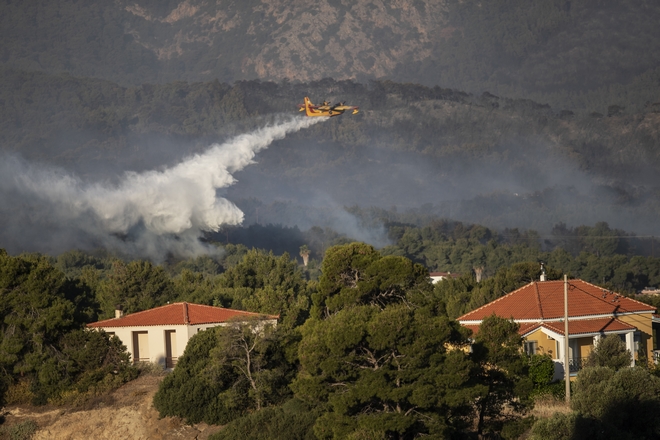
x: 127, y: 413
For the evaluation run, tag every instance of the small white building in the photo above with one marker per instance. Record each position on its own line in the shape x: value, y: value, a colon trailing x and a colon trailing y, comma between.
x: 160, y: 335
x: 436, y: 277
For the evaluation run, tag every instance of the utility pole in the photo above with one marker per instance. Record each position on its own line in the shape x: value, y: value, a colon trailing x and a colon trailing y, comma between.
x: 567, y: 368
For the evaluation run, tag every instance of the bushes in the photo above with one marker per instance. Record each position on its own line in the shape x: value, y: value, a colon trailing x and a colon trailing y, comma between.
x: 541, y: 372
x: 225, y: 372
x: 199, y: 391
x: 19, y: 393
x: 626, y: 402
x: 610, y: 352
x: 608, y: 404
x: 19, y: 431
x: 558, y: 427
x: 541, y: 369
x: 44, y: 351
x: 291, y: 421
x: 89, y: 363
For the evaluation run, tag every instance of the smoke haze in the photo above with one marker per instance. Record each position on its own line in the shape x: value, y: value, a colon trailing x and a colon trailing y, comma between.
x: 147, y: 214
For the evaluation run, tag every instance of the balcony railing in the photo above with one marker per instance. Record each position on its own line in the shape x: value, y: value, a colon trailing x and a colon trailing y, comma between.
x: 576, y: 364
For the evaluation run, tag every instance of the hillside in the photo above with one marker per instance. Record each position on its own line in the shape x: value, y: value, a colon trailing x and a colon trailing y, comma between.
x: 484, y: 159
x: 127, y: 413
x: 584, y: 54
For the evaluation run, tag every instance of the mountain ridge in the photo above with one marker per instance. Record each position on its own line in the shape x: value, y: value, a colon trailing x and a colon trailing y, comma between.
x: 572, y: 54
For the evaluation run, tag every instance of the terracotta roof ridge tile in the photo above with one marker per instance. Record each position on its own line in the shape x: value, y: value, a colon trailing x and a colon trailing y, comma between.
x: 244, y: 312
x: 493, y: 302
x: 145, y: 311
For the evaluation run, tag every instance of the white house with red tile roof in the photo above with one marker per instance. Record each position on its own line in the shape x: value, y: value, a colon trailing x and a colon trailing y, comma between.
x: 592, y: 313
x: 160, y: 335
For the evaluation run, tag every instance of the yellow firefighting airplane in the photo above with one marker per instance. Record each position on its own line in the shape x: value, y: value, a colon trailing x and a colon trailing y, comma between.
x: 326, y: 109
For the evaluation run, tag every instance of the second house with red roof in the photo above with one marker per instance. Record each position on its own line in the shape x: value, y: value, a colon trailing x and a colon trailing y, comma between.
x: 593, y: 312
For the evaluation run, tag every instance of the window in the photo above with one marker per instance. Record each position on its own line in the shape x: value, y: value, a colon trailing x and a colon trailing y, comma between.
x: 531, y: 347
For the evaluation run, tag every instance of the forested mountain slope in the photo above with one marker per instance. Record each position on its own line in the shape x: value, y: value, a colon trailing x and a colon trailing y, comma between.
x: 580, y: 54
x: 482, y: 159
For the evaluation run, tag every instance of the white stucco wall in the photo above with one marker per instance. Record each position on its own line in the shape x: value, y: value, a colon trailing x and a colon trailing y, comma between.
x: 156, y: 337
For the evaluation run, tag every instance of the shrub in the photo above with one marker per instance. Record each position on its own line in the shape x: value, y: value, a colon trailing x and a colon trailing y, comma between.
x: 150, y: 369
x: 195, y: 390
x: 541, y: 369
x: 516, y: 428
x: 291, y: 421
x: 608, y: 405
x: 19, y: 393
x: 626, y: 401
x: 19, y: 431
x: 610, y: 352
x: 558, y: 427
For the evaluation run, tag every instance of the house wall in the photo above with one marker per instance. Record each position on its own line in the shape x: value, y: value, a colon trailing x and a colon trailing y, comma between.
x: 644, y: 323
x: 156, y: 338
x: 545, y: 345
x: 157, y: 341
x: 584, y: 346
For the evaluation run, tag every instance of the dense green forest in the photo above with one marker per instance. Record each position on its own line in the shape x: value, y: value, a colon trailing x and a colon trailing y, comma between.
x: 323, y: 314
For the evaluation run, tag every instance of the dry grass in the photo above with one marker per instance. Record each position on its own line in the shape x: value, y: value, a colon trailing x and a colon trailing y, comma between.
x: 546, y: 406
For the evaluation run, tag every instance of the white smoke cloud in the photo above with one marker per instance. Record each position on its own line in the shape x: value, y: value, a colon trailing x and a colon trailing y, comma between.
x: 148, y: 214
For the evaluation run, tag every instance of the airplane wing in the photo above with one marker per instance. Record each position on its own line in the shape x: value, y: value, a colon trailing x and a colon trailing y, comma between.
x: 342, y: 108
x: 326, y: 109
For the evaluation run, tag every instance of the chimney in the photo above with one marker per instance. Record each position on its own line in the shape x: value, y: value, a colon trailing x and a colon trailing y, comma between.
x: 542, y: 272
x: 118, y: 311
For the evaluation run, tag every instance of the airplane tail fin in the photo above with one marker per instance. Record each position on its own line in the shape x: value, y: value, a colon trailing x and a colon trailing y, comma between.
x: 308, y: 110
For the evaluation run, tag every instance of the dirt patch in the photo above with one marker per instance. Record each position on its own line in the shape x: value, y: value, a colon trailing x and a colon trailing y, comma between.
x: 127, y: 413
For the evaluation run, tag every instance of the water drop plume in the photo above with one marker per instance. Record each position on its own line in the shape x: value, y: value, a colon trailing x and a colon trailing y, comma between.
x: 149, y: 214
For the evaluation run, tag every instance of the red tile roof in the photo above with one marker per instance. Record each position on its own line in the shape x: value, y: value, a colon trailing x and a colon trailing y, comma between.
x: 541, y: 300
x: 180, y: 314
x: 582, y: 326
x: 600, y: 325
